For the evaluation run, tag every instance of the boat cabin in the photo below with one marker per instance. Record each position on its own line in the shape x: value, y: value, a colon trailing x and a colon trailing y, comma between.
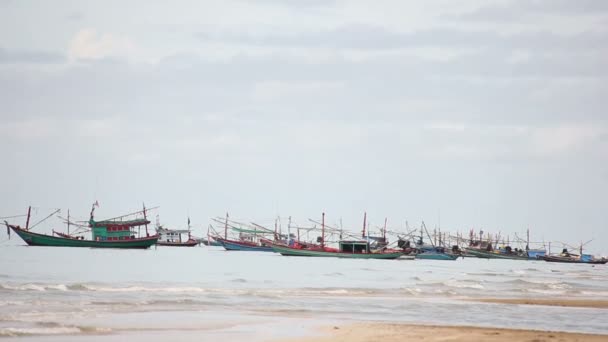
x: 171, y: 235
x: 115, y: 230
x: 355, y: 247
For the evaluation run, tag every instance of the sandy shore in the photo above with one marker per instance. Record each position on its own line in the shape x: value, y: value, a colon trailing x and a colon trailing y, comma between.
x: 582, y: 303
x: 372, y: 332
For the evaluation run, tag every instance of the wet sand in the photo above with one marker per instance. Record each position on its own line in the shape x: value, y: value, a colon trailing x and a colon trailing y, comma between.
x: 581, y: 303
x: 372, y: 332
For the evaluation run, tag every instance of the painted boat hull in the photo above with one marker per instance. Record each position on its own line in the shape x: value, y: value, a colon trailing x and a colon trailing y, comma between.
x: 287, y: 251
x: 436, y: 256
x: 489, y: 255
x: 178, y: 244
x: 567, y: 260
x: 35, y: 239
x: 230, y: 245
x: 212, y: 243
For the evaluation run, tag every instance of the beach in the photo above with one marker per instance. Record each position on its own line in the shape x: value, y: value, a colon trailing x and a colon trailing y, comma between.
x: 371, y: 332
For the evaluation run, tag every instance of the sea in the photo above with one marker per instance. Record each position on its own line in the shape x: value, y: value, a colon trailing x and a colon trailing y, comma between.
x: 204, y: 293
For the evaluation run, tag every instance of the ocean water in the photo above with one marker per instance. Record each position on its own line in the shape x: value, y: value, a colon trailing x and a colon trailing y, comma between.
x: 58, y: 294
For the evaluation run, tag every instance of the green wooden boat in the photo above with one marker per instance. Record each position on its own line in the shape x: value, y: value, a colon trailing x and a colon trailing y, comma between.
x: 114, y: 233
x: 342, y: 253
x: 35, y: 239
x: 485, y: 254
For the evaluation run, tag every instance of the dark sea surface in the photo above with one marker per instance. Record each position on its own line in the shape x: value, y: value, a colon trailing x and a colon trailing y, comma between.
x: 59, y: 294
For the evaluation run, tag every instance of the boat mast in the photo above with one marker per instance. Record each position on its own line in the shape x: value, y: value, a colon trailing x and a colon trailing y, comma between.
x: 528, y: 239
x: 364, y: 223
x: 145, y: 218
x: 68, y: 221
x: 384, y: 232
x: 289, y: 230
x: 226, y: 228
x: 323, y: 231
x: 29, y: 212
x: 275, y: 230
x: 189, y: 234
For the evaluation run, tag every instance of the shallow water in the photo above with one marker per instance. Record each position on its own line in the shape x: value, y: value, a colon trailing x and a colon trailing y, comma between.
x: 93, y: 292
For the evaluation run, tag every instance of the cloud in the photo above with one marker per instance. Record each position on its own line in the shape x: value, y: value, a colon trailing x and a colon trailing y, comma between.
x: 518, y: 9
x: 88, y: 44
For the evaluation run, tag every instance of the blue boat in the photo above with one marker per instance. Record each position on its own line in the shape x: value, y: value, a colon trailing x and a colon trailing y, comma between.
x: 436, y: 255
x: 231, y: 245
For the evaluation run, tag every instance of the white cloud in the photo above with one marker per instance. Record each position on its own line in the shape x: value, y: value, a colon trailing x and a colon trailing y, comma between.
x: 88, y: 44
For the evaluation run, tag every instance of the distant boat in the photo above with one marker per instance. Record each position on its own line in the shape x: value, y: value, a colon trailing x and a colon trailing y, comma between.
x: 112, y: 233
x: 173, y: 237
x: 348, y: 250
x: 486, y: 250
x: 249, y: 239
x: 570, y: 258
x: 438, y: 253
x: 355, y: 249
x: 433, y: 252
x: 233, y: 245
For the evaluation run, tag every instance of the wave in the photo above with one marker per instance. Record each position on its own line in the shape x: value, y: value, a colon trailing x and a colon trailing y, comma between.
x: 51, y: 328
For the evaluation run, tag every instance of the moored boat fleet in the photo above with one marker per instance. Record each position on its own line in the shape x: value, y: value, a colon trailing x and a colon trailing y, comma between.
x: 317, y: 239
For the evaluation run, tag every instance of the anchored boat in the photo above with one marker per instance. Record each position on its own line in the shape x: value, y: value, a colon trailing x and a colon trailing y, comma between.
x: 354, y: 249
x: 112, y: 233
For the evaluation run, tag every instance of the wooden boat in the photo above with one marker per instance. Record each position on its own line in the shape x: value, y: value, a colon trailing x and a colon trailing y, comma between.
x: 432, y: 251
x: 570, y: 258
x: 232, y: 245
x: 173, y: 237
x: 485, y: 249
x: 249, y: 239
x: 436, y: 255
x: 347, y: 249
x: 112, y: 233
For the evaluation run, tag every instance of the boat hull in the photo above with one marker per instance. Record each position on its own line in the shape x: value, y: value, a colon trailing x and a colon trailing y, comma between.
x: 178, y: 244
x: 230, y: 245
x: 436, y: 256
x: 35, y: 239
x: 490, y: 255
x: 287, y: 251
x: 567, y: 260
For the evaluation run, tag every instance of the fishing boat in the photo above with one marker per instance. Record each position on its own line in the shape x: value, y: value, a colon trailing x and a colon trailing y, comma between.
x: 173, y: 237
x: 433, y: 252
x: 351, y: 249
x: 436, y: 253
x: 571, y: 258
x: 111, y: 233
x: 249, y: 239
x: 486, y: 250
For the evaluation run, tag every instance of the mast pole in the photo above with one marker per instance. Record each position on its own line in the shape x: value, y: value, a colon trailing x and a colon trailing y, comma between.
x: 226, y: 228
x: 364, y: 224
x: 384, y: 233
x: 528, y: 239
x: 145, y: 218
x: 323, y: 231
x: 275, y: 229
x: 289, y: 230
x: 29, y: 212
x: 68, y: 221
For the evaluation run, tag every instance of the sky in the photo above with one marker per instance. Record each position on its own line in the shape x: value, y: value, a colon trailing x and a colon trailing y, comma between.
x: 465, y: 114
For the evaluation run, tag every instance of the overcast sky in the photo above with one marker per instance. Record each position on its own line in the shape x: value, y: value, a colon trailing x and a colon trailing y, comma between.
x: 489, y: 114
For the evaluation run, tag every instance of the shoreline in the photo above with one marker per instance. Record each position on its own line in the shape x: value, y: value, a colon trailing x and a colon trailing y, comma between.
x: 396, y: 332
x: 575, y: 303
